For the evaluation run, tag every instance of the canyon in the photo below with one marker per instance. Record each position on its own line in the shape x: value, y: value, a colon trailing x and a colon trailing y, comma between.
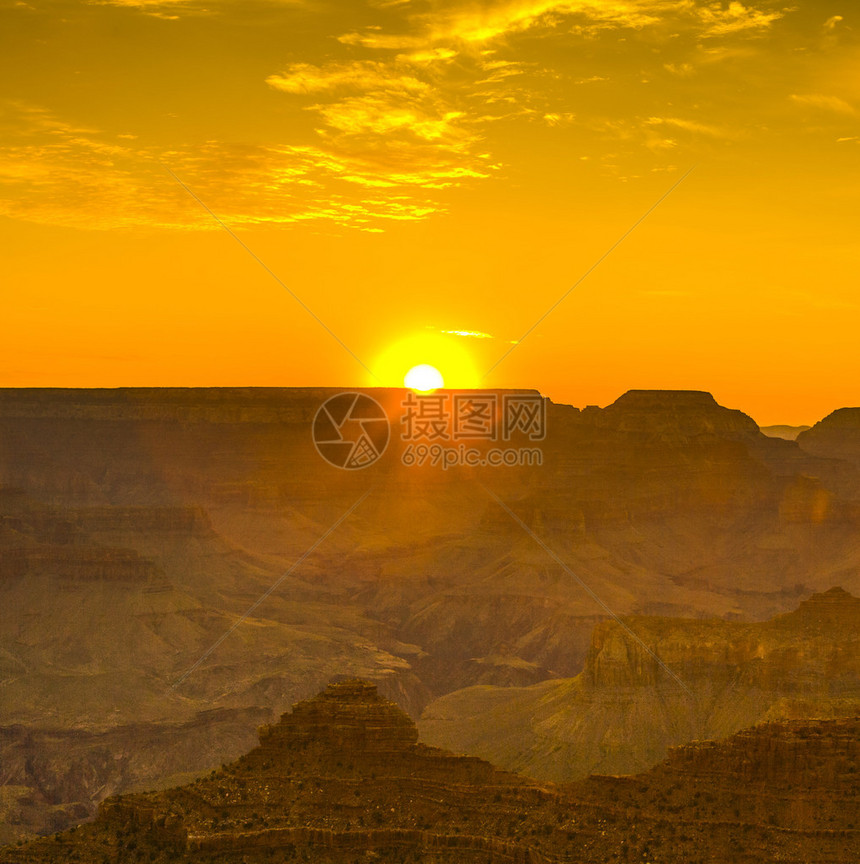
x: 158, y: 589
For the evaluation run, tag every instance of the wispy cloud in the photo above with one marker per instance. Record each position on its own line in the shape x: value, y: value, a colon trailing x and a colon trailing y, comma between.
x: 682, y: 70
x: 719, y: 20
x: 173, y: 9
x: 824, y: 102
x: 394, y: 117
x: 427, y: 56
x: 380, y: 114
x: 86, y: 178
x: 169, y: 10
x: 469, y: 334
x: 372, y: 38
x: 472, y: 23
x: 361, y: 75
x: 556, y: 118
x: 692, y: 126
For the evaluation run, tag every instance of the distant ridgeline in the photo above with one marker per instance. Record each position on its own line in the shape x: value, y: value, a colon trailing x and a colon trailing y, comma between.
x: 341, y: 779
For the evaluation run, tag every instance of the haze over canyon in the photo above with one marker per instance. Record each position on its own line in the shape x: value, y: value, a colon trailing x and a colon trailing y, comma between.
x: 669, y: 573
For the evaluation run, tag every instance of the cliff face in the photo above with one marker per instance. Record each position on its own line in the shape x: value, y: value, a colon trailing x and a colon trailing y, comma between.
x: 241, y: 405
x: 810, y: 649
x: 673, y: 416
x: 80, y: 564
x: 837, y: 436
x: 677, y: 681
x: 781, y: 791
x: 341, y: 777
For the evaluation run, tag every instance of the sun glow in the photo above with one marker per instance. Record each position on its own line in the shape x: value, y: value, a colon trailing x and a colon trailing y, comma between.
x: 425, y: 354
x: 424, y: 379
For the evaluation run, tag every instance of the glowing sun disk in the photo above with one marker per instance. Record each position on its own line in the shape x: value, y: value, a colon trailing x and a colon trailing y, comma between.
x: 423, y: 378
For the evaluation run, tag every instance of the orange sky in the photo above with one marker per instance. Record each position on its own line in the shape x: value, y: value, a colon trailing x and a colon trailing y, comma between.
x: 410, y: 168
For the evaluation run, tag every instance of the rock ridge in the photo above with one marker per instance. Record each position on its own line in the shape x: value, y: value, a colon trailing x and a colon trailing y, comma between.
x: 783, y: 792
x: 348, y: 714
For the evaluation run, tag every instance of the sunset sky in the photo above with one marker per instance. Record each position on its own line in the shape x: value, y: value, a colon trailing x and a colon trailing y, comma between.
x: 435, y: 173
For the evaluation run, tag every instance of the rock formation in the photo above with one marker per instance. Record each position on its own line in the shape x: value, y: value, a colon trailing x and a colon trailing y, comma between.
x: 675, y: 681
x: 342, y: 779
x: 674, y: 415
x: 837, y: 436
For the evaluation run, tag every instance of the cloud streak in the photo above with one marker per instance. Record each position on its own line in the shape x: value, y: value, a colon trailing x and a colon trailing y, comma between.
x: 824, y: 103
x: 84, y: 178
x: 460, y: 25
x: 300, y: 78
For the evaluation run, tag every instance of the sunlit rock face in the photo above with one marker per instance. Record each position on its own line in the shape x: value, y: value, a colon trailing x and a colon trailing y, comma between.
x: 653, y: 683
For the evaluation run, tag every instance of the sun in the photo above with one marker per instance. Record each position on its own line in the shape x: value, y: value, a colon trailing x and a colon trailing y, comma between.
x: 443, y: 359
x: 424, y: 378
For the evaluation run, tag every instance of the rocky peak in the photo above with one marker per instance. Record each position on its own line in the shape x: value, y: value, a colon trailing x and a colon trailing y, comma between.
x: 681, y: 413
x: 843, y: 418
x: 836, y: 436
x: 348, y: 715
x: 828, y: 608
x: 666, y: 399
x: 833, y: 596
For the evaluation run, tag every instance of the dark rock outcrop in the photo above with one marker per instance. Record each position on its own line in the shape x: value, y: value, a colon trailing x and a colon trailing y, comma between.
x: 318, y: 789
x: 674, y: 415
x: 837, y: 436
x: 350, y: 716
